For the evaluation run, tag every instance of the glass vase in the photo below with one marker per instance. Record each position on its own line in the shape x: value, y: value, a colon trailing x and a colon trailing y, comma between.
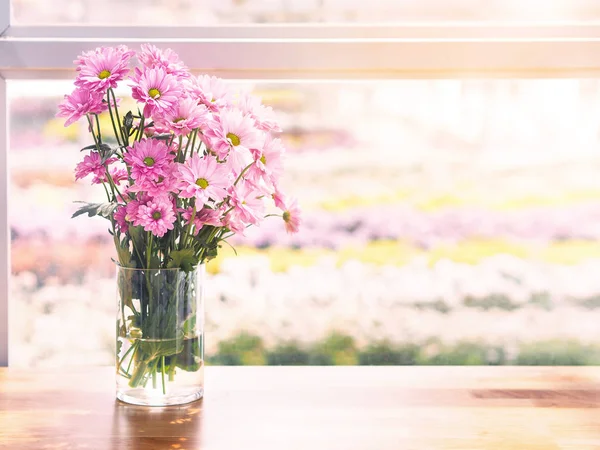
x: 160, y: 336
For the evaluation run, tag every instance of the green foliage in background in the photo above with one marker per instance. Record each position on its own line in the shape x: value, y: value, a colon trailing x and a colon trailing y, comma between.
x: 336, y: 350
x: 242, y: 350
x: 384, y: 353
x: 341, y: 350
x: 558, y: 353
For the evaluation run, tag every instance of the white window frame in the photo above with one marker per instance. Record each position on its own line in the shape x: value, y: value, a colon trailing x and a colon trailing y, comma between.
x: 296, y: 52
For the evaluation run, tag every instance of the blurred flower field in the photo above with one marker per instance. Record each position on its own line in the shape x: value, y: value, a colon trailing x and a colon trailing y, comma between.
x: 464, y: 239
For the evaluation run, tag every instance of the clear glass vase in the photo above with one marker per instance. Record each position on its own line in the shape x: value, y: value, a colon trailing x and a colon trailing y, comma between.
x: 160, y: 336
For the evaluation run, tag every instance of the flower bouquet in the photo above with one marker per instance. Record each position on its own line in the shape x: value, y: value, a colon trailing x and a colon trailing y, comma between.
x: 194, y: 165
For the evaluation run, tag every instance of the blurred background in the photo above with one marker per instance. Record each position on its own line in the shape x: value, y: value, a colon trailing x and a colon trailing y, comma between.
x: 445, y: 221
x: 210, y: 12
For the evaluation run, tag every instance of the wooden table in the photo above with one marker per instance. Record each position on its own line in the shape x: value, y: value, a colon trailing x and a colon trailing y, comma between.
x: 285, y: 408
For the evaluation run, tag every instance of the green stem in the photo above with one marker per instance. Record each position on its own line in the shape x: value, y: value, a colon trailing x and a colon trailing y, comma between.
x: 122, y: 311
x: 136, y: 345
x: 114, y: 187
x: 211, y: 236
x: 180, y: 158
x: 193, y: 142
x: 98, y: 128
x: 137, y: 251
x: 182, y: 243
x: 123, y: 137
x: 163, y: 375
x: 125, y: 356
x: 112, y: 119
x: 242, y: 173
x: 107, y: 193
x: 138, y: 374
x: 140, y: 131
x: 149, y: 249
x: 227, y: 237
x: 93, y: 134
x: 149, y: 306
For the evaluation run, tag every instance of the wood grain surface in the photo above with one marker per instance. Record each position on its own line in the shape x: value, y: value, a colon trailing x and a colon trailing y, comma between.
x: 282, y: 408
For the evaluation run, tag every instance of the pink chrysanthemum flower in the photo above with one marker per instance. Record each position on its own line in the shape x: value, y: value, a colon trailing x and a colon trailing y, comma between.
x: 292, y: 217
x: 149, y: 159
x: 212, y: 92
x: 103, y: 68
x: 258, y: 179
x: 234, y: 131
x: 234, y: 223
x: 162, y: 185
x: 157, y: 216
x: 79, y: 103
x: 152, y: 57
x: 264, y: 116
x: 132, y: 208
x: 270, y: 159
x: 118, y: 175
x: 247, y: 204
x: 157, y: 89
x: 186, y: 117
x: 155, y: 129
x: 238, y: 160
x: 206, y: 216
x: 120, y: 218
x: 92, y: 164
x: 203, y: 178
x: 279, y: 198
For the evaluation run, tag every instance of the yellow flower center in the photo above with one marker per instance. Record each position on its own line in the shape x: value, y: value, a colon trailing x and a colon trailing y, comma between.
x: 160, y: 179
x: 156, y: 215
x: 234, y: 138
x: 154, y: 93
x: 286, y: 216
x: 179, y: 119
x: 149, y: 161
x: 104, y: 74
x: 202, y: 182
x: 263, y: 159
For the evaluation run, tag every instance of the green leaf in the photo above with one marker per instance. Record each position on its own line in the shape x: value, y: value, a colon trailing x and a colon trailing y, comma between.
x: 104, y: 150
x: 91, y: 147
x: 119, y: 344
x: 156, y: 348
x: 125, y: 291
x: 96, y: 209
x: 123, y: 254
x: 107, y: 153
x: 128, y: 122
x: 190, y: 357
x: 189, y: 326
x: 211, y: 252
x: 162, y: 137
x: 185, y: 259
x: 137, y: 237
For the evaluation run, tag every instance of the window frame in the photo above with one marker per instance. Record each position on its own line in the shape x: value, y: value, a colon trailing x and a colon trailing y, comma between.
x: 321, y: 52
x: 296, y: 52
